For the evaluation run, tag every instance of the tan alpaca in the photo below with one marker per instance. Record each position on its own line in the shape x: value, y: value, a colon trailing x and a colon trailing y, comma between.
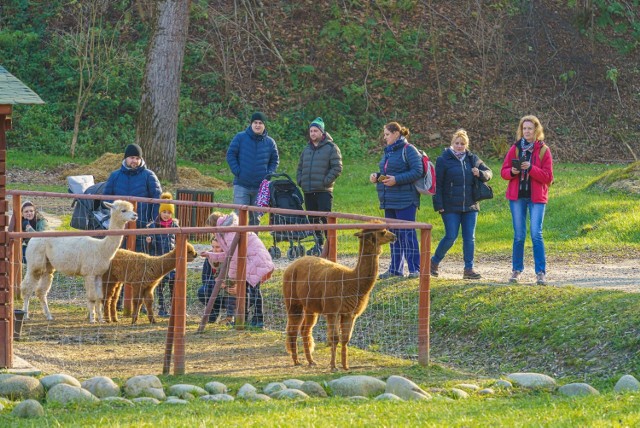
x: 312, y: 286
x: 144, y: 273
x: 74, y: 255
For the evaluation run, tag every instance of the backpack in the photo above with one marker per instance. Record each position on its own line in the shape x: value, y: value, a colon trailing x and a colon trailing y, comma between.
x: 425, y: 185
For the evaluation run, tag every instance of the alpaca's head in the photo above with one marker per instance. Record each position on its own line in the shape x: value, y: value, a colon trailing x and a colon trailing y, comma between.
x: 191, y: 253
x: 375, y: 238
x: 121, y: 213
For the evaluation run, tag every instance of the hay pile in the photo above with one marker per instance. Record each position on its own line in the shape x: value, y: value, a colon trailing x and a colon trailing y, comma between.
x: 189, y: 178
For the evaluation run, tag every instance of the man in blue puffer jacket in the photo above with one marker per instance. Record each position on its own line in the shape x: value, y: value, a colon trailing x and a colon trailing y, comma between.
x: 251, y: 156
x: 135, y: 179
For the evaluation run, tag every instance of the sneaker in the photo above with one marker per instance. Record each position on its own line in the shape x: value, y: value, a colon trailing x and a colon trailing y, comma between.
x: 162, y: 313
x: 515, y: 275
x: 541, y: 278
x: 388, y: 274
x: 414, y: 275
x: 434, y: 269
x: 471, y: 274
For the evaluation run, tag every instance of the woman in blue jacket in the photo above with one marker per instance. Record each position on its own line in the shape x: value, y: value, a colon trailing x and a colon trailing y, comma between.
x: 400, y: 166
x: 455, y: 171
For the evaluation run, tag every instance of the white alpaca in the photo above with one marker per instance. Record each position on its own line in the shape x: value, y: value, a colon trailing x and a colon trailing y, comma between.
x: 74, y: 255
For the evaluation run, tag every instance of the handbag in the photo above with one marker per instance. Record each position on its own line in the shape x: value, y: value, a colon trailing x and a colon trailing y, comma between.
x: 481, y: 190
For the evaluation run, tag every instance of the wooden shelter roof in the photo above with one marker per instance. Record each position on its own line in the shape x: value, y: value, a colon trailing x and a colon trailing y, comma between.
x: 13, y: 91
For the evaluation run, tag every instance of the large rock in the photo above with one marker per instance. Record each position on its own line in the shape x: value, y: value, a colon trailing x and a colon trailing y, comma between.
x: 117, y: 401
x: 144, y: 386
x: 532, y: 380
x: 101, y: 387
x: 358, y: 385
x: 17, y: 387
x: 217, y: 397
x: 214, y: 388
x: 52, y: 380
x: 459, y: 394
x: 186, y: 391
x: 313, y: 389
x: 405, y: 389
x: 577, y: 390
x: 66, y: 394
x: 387, y: 396
x: 627, y: 383
x: 146, y: 401
x: 274, y: 387
x: 247, y: 390
x: 28, y: 409
x: 293, y: 383
x: 290, y: 394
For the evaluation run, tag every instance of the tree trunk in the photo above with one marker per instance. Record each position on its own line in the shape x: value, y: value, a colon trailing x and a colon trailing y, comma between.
x: 157, y: 126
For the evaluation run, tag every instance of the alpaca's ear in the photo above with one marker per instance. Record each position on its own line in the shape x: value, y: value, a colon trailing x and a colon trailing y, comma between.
x: 108, y: 205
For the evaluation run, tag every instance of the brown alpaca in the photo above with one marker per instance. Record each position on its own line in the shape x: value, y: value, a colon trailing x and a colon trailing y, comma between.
x: 312, y: 286
x: 144, y: 273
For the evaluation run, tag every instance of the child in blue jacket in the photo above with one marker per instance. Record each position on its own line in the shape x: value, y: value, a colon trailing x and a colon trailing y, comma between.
x: 158, y: 245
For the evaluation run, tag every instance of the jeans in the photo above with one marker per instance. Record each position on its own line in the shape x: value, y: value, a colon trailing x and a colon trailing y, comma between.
x: 406, y: 245
x: 452, y: 224
x: 318, y: 201
x: 223, y: 300
x: 245, y: 196
x: 519, y: 218
x: 254, y: 299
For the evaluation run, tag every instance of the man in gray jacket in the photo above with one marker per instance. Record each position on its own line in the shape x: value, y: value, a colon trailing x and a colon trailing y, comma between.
x: 319, y: 166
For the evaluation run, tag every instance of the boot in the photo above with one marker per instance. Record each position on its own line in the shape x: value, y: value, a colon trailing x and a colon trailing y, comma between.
x: 434, y: 269
x: 471, y: 274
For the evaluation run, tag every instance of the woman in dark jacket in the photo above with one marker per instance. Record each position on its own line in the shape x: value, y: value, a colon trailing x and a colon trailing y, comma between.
x: 400, y: 166
x: 455, y: 172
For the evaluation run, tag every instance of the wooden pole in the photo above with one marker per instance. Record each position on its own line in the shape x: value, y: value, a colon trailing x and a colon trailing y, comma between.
x: 127, y: 304
x: 6, y: 288
x: 16, y: 250
x: 424, y: 297
x: 241, y: 278
x: 332, y: 241
x: 179, y: 305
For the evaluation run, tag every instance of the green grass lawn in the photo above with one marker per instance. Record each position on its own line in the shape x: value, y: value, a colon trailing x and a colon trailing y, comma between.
x: 478, y: 331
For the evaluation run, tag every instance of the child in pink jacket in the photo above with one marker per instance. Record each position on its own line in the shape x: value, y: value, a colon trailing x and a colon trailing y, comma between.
x: 259, y: 265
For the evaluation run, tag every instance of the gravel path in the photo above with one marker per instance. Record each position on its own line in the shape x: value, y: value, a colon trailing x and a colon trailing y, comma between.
x: 616, y: 274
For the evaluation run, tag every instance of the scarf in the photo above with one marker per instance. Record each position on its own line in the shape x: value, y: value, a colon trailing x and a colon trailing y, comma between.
x: 458, y: 155
x: 526, y: 150
x: 166, y: 223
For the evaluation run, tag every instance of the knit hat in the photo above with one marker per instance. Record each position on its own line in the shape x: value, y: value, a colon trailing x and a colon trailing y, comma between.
x: 133, y: 150
x: 258, y: 116
x: 167, y: 207
x: 318, y: 123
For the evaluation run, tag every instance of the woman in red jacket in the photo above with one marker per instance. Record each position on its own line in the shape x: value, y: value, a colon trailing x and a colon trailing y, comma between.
x: 528, y: 166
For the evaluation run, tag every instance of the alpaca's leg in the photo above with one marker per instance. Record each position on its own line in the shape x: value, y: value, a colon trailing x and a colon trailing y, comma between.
x: 346, y: 329
x: 99, y: 296
x: 27, y: 288
x: 44, y: 285
x: 113, y: 306
x: 306, y: 331
x: 106, y: 301
x: 137, y: 304
x: 89, y: 287
x: 332, y: 337
x: 294, y: 319
x: 148, y: 303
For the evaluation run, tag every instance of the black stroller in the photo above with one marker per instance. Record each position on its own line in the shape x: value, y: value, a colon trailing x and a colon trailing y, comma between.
x: 88, y: 214
x: 283, y: 193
